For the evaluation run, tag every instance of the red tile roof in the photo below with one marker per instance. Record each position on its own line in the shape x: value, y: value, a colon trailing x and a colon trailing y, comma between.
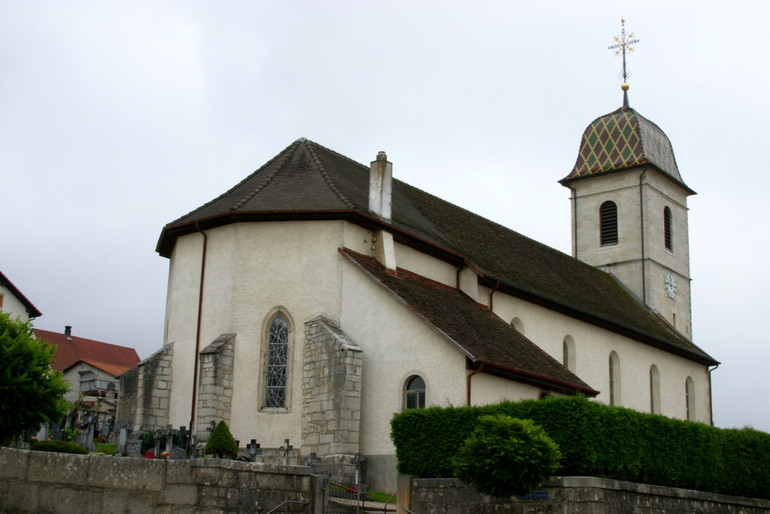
x: 71, y: 350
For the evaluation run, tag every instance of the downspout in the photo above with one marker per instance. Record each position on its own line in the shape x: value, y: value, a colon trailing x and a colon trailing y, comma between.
x: 468, y: 389
x: 198, y: 332
x: 492, y: 297
x: 711, y: 400
x: 641, y: 227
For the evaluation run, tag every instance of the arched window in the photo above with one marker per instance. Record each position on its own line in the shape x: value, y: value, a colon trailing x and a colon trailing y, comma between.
x: 614, y: 379
x: 277, y: 363
x: 518, y: 325
x: 414, y: 393
x: 608, y: 223
x: 654, y: 390
x: 689, y: 396
x: 568, y: 353
x: 667, y: 228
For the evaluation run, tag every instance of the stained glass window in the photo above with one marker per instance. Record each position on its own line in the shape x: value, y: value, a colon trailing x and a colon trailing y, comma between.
x: 277, y: 360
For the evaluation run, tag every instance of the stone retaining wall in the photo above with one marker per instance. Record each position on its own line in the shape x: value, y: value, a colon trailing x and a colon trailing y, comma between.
x: 570, y: 495
x: 33, y: 481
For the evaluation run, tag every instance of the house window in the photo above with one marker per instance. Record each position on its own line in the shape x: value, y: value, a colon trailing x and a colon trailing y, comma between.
x: 1, y: 301
x: 568, y: 353
x: 667, y: 228
x: 689, y: 397
x: 277, y: 363
x: 654, y: 390
x: 614, y: 379
x: 608, y: 223
x: 414, y: 393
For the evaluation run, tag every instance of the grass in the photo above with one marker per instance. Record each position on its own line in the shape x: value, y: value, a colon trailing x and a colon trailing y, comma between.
x: 106, y: 448
x: 382, y: 497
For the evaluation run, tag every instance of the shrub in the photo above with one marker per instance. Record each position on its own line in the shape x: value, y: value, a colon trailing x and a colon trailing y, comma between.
x: 58, y: 446
x: 31, y: 392
x: 221, y: 442
x: 505, y: 456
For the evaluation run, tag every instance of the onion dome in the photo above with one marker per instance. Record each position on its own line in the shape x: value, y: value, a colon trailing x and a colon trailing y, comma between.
x: 620, y: 140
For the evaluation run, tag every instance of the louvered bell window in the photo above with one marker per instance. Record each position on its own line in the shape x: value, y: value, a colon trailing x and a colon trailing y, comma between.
x: 667, y: 228
x: 608, y: 223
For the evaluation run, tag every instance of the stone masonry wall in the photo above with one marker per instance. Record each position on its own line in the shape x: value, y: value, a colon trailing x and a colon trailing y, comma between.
x: 145, y: 391
x: 331, y: 388
x: 570, y: 495
x: 32, y: 481
x: 215, y: 387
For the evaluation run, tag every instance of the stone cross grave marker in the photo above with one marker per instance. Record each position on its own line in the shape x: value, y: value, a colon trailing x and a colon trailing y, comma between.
x: 286, y: 448
x: 56, y: 432
x: 169, y: 433
x: 183, y: 437
x: 253, y: 450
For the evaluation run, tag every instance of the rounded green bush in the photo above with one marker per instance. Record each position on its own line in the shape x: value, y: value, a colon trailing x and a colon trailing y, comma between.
x: 505, y: 456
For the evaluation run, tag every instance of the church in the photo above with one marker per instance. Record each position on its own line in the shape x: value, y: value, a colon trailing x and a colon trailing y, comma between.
x: 319, y: 296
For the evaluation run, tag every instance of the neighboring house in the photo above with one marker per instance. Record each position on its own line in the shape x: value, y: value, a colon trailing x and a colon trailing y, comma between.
x: 318, y: 297
x: 92, y: 368
x: 14, y: 302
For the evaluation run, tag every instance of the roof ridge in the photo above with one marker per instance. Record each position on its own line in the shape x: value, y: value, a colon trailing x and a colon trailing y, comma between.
x: 325, y: 175
x: 280, y: 156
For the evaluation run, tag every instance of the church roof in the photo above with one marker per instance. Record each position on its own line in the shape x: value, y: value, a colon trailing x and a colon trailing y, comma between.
x: 71, y: 350
x: 620, y: 140
x: 481, y: 335
x: 309, y: 181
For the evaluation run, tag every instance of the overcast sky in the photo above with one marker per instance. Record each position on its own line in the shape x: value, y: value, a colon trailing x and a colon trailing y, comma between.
x: 119, y: 117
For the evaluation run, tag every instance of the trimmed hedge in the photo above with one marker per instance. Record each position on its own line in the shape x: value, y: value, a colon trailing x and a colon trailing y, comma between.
x: 599, y: 440
x: 58, y: 446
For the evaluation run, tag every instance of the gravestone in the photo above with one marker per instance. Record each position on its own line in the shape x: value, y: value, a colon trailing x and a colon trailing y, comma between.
x: 123, y: 428
x: 105, y: 428
x: 42, y: 433
x: 134, y: 447
x: 86, y: 437
x: 56, y: 432
x: 286, y: 448
x: 178, y: 453
x: 169, y: 433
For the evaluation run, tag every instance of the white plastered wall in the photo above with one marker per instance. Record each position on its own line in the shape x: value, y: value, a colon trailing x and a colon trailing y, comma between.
x: 252, y: 271
x: 593, y: 346
x: 12, y: 305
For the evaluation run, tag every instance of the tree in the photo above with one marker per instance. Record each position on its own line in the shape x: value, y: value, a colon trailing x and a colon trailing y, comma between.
x: 504, y: 456
x: 222, y: 442
x: 31, y: 392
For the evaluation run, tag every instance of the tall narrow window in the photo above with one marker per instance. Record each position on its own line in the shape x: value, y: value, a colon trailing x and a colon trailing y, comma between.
x: 568, y: 353
x: 608, y: 223
x: 414, y: 393
x: 654, y: 390
x: 277, y: 362
x: 667, y: 227
x: 614, y: 379
x: 689, y: 397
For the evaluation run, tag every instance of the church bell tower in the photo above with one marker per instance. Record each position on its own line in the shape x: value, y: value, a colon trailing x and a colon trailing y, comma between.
x: 629, y: 209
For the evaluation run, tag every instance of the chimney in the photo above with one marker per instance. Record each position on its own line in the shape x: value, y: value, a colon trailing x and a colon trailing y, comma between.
x: 68, y: 332
x: 380, y: 179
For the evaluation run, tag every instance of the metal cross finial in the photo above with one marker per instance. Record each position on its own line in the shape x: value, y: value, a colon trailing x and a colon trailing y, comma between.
x: 624, y: 42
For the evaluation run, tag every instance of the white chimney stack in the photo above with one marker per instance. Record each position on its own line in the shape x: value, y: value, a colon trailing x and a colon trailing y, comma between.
x: 380, y: 180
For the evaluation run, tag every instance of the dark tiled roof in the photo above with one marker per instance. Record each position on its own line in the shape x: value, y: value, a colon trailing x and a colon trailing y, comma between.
x: 110, y: 358
x: 31, y: 309
x: 623, y: 139
x: 480, y: 334
x: 308, y: 181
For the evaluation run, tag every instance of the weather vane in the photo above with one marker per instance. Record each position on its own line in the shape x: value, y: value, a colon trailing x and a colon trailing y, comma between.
x: 622, y: 43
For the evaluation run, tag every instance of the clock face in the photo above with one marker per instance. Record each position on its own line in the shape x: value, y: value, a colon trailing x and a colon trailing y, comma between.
x: 670, y: 285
